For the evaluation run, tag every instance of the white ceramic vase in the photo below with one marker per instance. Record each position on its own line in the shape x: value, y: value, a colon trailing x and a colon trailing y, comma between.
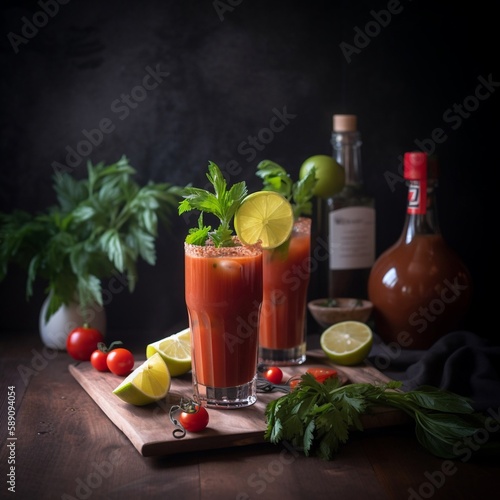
x: 55, y: 331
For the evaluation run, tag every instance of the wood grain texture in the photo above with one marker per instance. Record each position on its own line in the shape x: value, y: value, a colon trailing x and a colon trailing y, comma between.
x: 67, y: 448
x: 150, y: 430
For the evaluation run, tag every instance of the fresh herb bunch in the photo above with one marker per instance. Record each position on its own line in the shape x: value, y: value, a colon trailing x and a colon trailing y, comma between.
x: 101, y: 225
x: 317, y: 417
x: 223, y: 203
x: 299, y: 193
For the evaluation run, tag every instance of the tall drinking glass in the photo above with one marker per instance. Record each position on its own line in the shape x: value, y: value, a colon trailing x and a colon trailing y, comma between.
x: 282, y: 336
x: 223, y: 288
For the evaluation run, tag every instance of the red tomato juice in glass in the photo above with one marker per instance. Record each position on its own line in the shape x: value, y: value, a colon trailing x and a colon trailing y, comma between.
x: 223, y: 289
x: 286, y: 279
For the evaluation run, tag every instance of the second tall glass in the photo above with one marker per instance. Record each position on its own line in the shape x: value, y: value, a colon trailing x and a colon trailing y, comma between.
x: 282, y: 336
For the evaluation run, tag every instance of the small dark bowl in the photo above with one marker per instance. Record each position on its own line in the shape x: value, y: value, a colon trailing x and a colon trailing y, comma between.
x: 327, y: 312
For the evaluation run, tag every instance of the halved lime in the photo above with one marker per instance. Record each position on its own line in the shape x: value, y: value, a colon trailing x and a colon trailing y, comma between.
x: 264, y: 216
x: 347, y: 343
x: 175, y: 350
x: 148, y: 383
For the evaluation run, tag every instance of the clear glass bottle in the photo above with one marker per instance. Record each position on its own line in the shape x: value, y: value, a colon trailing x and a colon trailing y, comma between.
x: 420, y: 288
x: 351, y: 217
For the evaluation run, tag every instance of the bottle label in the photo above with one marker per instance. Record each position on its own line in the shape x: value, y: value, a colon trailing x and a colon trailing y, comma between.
x: 352, y: 238
x: 417, y: 197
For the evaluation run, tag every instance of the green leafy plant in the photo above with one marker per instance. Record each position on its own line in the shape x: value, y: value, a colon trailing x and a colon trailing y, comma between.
x: 101, y: 225
x: 317, y: 417
x: 299, y: 193
x: 222, y: 203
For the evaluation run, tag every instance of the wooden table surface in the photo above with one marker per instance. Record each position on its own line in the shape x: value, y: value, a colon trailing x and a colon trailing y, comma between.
x: 67, y: 448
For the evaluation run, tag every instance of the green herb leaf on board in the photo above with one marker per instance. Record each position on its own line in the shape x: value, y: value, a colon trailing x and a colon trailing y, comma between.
x: 317, y: 418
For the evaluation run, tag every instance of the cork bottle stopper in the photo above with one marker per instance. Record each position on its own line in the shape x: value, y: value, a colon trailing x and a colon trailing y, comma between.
x: 344, y: 123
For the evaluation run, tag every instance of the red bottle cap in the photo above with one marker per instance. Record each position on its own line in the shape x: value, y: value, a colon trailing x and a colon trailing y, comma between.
x: 415, y: 165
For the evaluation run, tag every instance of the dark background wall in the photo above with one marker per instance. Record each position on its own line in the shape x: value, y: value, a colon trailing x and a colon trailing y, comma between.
x: 228, y: 67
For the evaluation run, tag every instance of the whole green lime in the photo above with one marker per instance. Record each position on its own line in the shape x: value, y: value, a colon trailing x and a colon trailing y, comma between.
x: 329, y: 173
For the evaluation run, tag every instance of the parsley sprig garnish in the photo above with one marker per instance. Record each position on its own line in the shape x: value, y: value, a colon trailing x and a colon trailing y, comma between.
x: 222, y: 203
x: 299, y: 193
x: 317, y: 417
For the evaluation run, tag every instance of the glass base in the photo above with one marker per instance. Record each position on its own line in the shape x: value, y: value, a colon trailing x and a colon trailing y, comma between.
x: 283, y: 357
x: 227, y: 397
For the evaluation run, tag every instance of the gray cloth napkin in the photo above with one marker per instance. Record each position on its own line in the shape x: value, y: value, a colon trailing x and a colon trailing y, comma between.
x: 461, y: 362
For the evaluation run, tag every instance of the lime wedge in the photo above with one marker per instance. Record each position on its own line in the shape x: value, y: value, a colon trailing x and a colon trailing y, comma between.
x: 347, y: 343
x: 175, y: 350
x: 264, y: 216
x: 148, y: 383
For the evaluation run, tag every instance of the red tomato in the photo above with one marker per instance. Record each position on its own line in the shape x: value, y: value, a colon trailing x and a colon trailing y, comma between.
x: 82, y: 342
x: 274, y: 375
x: 120, y: 361
x: 320, y: 374
x: 194, y: 421
x: 98, y: 359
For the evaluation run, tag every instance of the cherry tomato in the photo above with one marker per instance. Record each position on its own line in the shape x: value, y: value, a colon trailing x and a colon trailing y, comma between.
x: 274, y: 375
x: 196, y: 420
x: 98, y: 359
x: 120, y: 361
x: 82, y: 342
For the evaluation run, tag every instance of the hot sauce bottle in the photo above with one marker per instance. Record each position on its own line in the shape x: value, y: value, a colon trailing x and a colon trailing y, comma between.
x: 420, y: 288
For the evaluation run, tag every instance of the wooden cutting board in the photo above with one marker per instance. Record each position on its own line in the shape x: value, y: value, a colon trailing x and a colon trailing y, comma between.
x: 151, y: 432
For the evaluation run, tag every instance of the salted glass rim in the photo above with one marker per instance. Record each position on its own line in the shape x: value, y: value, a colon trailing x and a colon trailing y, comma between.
x: 302, y: 225
x: 210, y: 250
